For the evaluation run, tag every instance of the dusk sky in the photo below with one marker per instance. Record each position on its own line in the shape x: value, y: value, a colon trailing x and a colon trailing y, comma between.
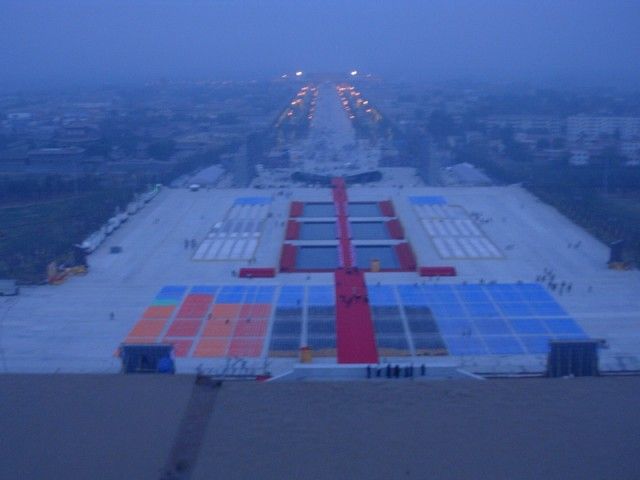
x: 89, y: 41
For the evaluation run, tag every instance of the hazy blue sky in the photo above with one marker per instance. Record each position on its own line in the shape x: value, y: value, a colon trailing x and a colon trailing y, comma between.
x: 80, y: 41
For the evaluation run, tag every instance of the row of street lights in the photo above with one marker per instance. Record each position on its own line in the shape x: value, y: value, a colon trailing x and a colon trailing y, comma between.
x: 300, y: 73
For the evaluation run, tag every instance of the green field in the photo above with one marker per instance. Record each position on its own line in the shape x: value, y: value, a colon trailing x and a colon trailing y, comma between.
x: 35, y: 233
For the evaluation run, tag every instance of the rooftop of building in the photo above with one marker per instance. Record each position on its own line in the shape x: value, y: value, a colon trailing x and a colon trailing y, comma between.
x: 74, y: 426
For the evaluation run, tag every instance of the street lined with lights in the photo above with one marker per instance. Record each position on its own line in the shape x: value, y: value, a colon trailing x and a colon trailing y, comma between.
x: 303, y: 105
x: 353, y: 103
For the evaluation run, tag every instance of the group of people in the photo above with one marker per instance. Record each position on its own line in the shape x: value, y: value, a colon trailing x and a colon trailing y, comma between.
x: 479, y: 218
x: 548, y: 276
x: 354, y: 298
x: 394, y: 371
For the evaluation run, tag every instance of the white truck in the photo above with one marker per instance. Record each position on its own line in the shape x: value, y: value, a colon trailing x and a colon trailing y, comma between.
x: 8, y: 287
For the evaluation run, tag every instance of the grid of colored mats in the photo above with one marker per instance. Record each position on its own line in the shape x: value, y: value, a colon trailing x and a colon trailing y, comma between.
x: 502, y: 319
x: 207, y: 321
x: 421, y: 319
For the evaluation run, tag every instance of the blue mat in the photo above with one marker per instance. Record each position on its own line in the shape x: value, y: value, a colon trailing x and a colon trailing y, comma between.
x: 208, y: 289
x: 467, y: 345
x: 382, y: 295
x: 455, y: 326
x: 317, y: 342
x: 231, y: 294
x: 285, y: 344
x: 491, y: 326
x: 533, y: 292
x: 481, y: 310
x: 515, y: 309
x: 498, y: 319
x: 412, y: 295
x: 291, y: 296
x: 502, y: 292
x: 171, y: 292
x: 503, y: 344
x: 472, y: 293
x: 527, y: 326
x: 322, y: 295
x: 536, y: 344
x: 548, y: 309
x: 447, y: 310
x: 427, y: 200
x: 252, y: 201
x: 563, y: 326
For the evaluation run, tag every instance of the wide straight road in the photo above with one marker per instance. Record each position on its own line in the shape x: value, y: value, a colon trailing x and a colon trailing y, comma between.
x: 331, y: 147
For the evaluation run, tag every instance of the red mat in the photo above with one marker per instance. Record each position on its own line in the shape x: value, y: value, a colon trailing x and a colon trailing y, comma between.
x: 340, y: 199
x: 406, y: 257
x: 355, y: 335
x: 345, y: 243
x: 293, y: 230
x: 296, y: 209
x: 288, y: 258
x: 386, y: 207
x: 438, y: 271
x: 257, y: 272
x: 395, y: 229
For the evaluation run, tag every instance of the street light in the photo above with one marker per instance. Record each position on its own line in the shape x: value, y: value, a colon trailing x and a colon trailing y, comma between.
x: 354, y: 73
x: 298, y: 73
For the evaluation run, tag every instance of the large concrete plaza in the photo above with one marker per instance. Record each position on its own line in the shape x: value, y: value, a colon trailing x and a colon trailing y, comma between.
x: 69, y: 327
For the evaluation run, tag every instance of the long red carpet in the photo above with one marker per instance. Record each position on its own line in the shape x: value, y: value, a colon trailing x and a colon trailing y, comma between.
x: 354, y: 327
x: 340, y: 200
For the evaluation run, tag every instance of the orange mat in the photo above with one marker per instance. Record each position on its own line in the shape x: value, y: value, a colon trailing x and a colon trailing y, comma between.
x: 255, y: 310
x: 157, y: 311
x: 181, y: 346
x: 246, y: 347
x: 256, y: 327
x: 130, y: 340
x: 147, y: 328
x: 211, y: 347
x: 261, y: 310
x: 184, y: 328
x: 218, y: 328
x: 226, y: 310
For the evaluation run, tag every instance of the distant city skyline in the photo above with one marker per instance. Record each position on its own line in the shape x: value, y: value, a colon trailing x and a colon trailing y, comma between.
x: 96, y: 42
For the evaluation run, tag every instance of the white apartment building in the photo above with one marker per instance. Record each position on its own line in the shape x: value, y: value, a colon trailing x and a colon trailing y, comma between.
x: 590, y: 127
x: 523, y: 123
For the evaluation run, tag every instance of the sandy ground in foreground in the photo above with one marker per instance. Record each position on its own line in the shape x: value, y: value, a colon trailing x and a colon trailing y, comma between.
x: 500, y: 429
x: 88, y: 426
x: 113, y: 426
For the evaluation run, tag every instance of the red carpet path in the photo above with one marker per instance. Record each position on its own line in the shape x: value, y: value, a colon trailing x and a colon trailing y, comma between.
x: 354, y: 328
x: 340, y: 201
